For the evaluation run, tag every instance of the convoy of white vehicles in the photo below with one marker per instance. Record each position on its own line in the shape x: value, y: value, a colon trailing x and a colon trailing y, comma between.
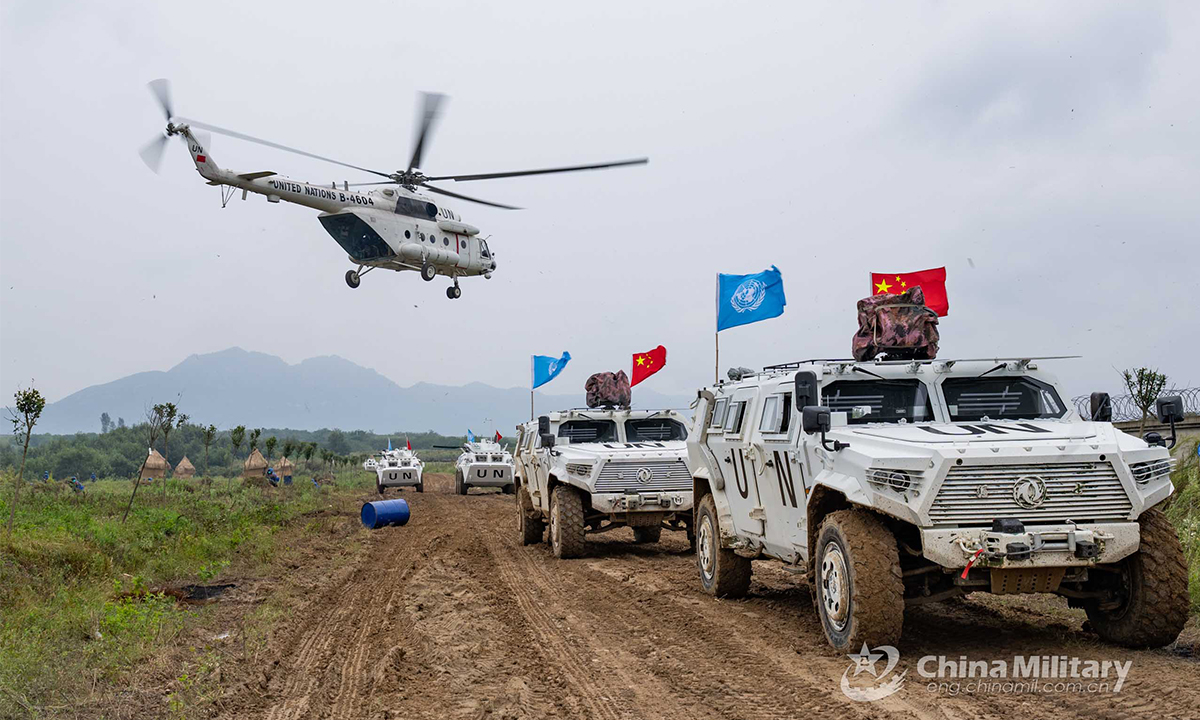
x: 589, y: 471
x: 894, y: 483
x: 397, y: 468
x: 886, y: 483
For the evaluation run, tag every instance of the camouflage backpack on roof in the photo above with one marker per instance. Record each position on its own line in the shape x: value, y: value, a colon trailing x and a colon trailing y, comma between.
x: 607, y: 390
x: 898, y: 325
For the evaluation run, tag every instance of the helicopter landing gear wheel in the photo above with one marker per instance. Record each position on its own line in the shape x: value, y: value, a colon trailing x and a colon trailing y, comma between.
x: 428, y: 272
x: 353, y: 279
x: 454, y: 292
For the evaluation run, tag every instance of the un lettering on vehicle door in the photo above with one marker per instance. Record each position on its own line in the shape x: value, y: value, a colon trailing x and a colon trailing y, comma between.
x: 738, y: 462
x: 783, y: 482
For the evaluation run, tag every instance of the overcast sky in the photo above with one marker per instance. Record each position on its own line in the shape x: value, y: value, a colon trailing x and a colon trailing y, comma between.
x: 1048, y: 154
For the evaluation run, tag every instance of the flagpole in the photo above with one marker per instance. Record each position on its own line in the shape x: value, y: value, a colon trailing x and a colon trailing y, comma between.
x: 531, y: 387
x: 717, y: 334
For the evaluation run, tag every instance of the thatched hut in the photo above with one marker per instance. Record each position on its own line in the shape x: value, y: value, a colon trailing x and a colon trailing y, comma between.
x: 254, y: 465
x: 155, y: 466
x: 185, y: 468
x: 285, y: 468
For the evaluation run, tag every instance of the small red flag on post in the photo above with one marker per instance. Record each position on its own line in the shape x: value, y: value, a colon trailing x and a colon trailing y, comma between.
x: 499, y: 437
x: 646, y: 364
x: 932, y: 283
x: 407, y: 443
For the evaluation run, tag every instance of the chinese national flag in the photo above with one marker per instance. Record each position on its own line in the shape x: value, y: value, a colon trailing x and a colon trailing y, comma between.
x: 647, y: 363
x: 932, y: 283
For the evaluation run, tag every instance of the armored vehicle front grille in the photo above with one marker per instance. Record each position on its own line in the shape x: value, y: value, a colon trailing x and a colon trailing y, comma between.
x: 974, y: 495
x: 664, y: 475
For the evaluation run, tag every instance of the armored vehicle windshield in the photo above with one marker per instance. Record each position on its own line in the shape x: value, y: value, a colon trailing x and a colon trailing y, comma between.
x: 654, y: 430
x: 1001, y: 398
x: 587, y: 431
x: 887, y: 400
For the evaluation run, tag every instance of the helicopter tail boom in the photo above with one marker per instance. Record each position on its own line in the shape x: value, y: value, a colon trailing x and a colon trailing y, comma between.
x: 204, y: 162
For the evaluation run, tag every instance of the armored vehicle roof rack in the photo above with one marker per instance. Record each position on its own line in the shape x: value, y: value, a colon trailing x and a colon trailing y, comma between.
x: 797, y: 364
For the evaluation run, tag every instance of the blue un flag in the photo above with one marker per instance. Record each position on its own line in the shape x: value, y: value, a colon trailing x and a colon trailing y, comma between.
x: 547, y: 367
x: 744, y: 299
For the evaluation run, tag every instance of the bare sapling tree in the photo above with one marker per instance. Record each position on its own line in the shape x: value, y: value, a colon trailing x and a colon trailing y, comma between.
x: 289, y: 447
x: 153, y: 427
x: 255, y: 434
x: 207, y: 435
x: 270, y: 444
x: 1144, y: 386
x: 24, y: 415
x: 237, y: 436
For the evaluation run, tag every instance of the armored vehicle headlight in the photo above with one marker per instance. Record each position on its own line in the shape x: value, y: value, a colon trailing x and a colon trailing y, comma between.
x: 1144, y: 472
x: 580, y: 469
x: 897, y: 480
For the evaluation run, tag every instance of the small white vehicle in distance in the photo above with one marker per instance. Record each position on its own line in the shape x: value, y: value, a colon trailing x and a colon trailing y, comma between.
x: 908, y: 482
x: 397, y: 468
x: 589, y: 471
x: 483, y: 463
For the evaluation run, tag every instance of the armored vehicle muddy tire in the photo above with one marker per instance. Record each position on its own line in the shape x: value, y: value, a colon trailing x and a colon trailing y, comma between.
x: 529, y: 522
x: 566, y: 522
x: 460, y: 485
x: 857, y: 581
x: 647, y: 534
x: 723, y: 572
x: 378, y: 486
x: 421, y: 486
x: 1152, y: 585
x: 509, y: 489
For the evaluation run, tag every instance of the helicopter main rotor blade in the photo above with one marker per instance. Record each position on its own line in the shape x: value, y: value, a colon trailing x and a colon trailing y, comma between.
x: 546, y: 171
x: 277, y: 146
x: 384, y: 182
x: 432, y: 103
x: 440, y: 191
x: 162, y: 92
x: 152, y: 152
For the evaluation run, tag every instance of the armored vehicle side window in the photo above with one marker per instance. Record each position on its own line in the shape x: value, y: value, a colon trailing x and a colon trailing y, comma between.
x: 654, y: 430
x: 733, y: 421
x: 777, y: 411
x: 718, y: 418
x: 1001, y: 398
x: 583, y: 431
x: 889, y: 400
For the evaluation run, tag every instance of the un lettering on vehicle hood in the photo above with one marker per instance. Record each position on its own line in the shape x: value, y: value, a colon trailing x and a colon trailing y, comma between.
x: 979, y: 432
x: 609, y: 450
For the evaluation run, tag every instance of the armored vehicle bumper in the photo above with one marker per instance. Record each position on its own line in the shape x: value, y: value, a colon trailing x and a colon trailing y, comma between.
x: 399, y: 476
x: 1018, y: 546
x: 643, y: 501
x: 487, y: 474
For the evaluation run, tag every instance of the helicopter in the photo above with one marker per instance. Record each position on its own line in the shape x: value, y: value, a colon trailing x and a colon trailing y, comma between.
x: 394, y: 226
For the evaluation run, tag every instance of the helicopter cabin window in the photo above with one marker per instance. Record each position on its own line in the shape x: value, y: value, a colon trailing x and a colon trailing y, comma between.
x: 446, y: 241
x: 483, y: 249
x: 585, y: 431
x: 407, y: 235
x: 733, y: 421
x: 776, y: 416
x: 718, y: 418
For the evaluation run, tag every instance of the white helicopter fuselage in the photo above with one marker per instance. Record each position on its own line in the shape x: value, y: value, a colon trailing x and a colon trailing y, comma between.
x: 391, y: 227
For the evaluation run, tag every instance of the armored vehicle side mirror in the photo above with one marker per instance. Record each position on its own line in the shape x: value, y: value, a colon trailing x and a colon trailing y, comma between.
x: 1101, y: 407
x: 815, y: 419
x: 543, y: 424
x: 1169, y: 410
x: 818, y: 419
x: 547, y: 440
x: 806, y: 389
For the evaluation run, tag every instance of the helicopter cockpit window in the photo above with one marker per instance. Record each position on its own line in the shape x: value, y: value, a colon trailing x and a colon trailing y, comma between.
x: 483, y: 249
x: 415, y: 208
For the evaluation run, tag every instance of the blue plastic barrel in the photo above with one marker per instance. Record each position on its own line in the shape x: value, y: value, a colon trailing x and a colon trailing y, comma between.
x: 382, y: 513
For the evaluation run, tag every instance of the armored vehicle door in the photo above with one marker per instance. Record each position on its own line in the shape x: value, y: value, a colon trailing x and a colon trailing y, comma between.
x: 737, y: 461
x: 781, y: 472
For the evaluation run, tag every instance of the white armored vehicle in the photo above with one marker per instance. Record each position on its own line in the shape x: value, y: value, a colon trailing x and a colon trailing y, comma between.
x: 910, y: 482
x: 397, y: 468
x: 483, y: 463
x: 590, y: 471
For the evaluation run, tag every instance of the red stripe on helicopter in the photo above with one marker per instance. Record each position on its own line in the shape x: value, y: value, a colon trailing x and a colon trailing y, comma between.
x: 200, y: 158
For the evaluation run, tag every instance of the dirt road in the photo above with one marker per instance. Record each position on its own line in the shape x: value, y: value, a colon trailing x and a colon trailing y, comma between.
x: 449, y: 617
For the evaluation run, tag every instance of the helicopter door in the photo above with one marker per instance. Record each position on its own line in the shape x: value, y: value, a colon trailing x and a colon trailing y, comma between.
x: 466, y: 250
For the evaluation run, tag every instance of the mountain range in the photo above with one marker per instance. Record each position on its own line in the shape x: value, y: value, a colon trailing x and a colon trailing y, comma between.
x: 240, y: 387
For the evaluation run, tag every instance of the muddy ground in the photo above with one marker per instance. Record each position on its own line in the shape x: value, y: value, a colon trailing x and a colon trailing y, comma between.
x: 450, y: 617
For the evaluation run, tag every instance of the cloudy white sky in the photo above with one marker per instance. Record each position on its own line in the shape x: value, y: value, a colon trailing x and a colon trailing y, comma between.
x: 1048, y: 154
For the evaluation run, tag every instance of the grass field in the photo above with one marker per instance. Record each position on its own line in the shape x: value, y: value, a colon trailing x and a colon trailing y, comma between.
x: 78, y: 606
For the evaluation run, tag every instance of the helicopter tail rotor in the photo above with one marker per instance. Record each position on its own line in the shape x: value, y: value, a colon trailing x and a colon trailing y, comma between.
x: 152, y: 152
